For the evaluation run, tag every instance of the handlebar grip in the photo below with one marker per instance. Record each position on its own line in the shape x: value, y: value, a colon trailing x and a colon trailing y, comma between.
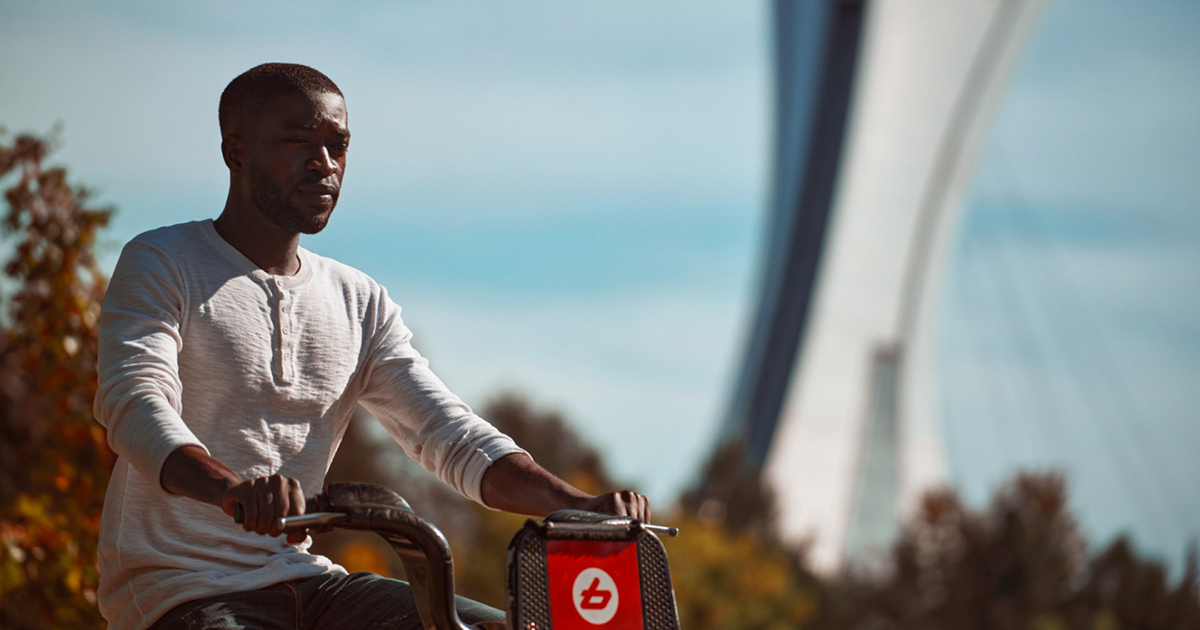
x: 239, y: 512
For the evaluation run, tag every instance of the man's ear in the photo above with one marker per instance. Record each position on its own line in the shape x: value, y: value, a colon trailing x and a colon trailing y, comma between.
x: 231, y: 149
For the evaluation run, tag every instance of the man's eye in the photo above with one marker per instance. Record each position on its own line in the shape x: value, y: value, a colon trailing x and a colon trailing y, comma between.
x: 296, y: 140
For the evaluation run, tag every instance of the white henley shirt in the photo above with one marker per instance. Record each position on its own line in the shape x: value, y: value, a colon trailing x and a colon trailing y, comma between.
x: 199, y: 346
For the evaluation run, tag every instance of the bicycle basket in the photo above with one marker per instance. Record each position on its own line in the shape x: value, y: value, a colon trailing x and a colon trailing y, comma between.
x: 588, y: 571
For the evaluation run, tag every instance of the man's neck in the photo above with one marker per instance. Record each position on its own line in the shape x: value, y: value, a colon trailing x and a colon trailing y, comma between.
x: 267, y: 245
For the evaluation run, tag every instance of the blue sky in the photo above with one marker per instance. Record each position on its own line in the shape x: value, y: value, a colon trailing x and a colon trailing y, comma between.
x: 569, y: 202
x: 566, y: 202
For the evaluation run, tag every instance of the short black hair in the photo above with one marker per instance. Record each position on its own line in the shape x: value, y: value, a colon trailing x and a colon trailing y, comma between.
x: 251, y: 90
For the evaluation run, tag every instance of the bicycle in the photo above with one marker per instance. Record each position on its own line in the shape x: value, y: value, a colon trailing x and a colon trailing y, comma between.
x: 573, y: 569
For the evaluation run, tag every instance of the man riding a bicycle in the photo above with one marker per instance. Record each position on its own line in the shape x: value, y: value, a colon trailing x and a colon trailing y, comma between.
x: 231, y: 360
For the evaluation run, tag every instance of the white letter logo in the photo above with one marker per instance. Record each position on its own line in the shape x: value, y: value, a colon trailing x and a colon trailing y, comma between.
x: 595, y: 596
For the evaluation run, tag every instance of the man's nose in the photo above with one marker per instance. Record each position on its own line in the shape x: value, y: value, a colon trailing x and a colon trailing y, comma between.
x: 323, y: 162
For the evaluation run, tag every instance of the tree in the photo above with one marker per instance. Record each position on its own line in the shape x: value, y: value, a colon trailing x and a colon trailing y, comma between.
x: 731, y: 493
x: 1019, y: 563
x: 729, y: 567
x: 54, y: 459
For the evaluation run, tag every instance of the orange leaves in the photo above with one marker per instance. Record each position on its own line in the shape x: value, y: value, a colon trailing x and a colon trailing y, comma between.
x: 54, y: 461
x: 729, y: 580
x: 360, y: 555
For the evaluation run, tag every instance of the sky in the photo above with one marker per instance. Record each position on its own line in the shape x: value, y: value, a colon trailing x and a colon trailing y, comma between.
x: 570, y: 203
x: 565, y: 202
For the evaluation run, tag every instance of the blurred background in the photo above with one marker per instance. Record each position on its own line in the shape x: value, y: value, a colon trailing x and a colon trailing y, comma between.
x: 786, y: 267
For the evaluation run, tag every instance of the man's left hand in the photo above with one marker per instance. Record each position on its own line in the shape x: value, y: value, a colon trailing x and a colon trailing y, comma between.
x: 621, y: 503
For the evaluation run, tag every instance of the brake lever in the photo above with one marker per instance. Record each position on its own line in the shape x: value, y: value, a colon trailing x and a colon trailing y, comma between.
x: 662, y: 530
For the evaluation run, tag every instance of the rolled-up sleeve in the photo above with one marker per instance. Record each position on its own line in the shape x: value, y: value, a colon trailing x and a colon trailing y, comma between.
x: 435, y: 427
x: 139, y: 395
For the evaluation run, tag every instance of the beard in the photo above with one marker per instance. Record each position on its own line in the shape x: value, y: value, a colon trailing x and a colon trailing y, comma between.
x: 273, y: 203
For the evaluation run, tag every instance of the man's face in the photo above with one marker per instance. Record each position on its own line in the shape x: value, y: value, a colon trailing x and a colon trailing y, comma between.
x: 295, y: 158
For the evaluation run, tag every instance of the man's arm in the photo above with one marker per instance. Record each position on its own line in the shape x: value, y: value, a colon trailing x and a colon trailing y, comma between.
x: 446, y: 438
x: 516, y: 483
x: 193, y: 473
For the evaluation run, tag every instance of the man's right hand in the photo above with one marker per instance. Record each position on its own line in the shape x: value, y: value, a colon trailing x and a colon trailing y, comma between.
x: 190, y: 471
x: 265, y: 502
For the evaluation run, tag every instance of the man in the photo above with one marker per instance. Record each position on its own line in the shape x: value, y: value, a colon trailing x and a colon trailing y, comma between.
x: 231, y: 360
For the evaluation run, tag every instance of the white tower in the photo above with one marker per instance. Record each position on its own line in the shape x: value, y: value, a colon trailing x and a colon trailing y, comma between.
x: 882, y: 107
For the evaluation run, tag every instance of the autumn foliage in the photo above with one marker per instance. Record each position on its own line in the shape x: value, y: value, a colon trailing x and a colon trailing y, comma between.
x: 54, y: 461
x: 1020, y: 563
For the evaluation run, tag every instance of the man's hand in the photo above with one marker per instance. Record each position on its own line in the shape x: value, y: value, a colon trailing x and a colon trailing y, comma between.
x: 516, y: 483
x: 623, y: 503
x: 265, y: 502
x: 193, y: 473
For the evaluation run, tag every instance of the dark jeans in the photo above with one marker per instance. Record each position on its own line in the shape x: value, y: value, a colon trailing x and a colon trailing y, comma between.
x: 334, y: 601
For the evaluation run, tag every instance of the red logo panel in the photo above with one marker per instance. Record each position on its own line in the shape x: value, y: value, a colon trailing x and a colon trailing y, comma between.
x: 594, y: 585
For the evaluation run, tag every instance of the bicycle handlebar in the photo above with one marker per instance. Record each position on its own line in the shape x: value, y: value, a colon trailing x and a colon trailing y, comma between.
x: 308, y: 519
x: 340, y: 519
x: 551, y: 528
x: 423, y: 549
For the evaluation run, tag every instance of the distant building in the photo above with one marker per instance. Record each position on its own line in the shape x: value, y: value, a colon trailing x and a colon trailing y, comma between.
x: 881, y: 108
